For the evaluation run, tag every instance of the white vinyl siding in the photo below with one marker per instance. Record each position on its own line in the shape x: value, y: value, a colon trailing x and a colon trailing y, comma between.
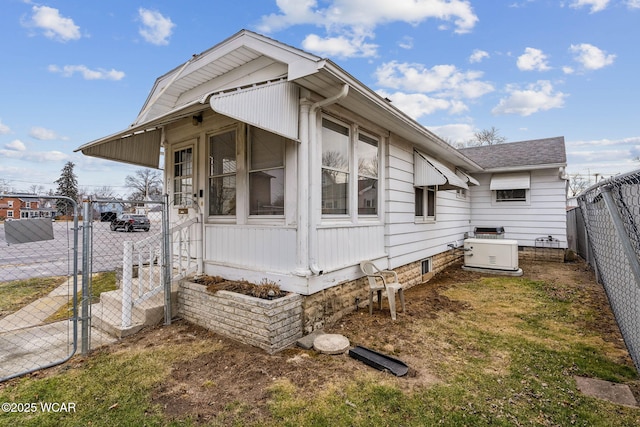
x: 407, y: 240
x: 543, y: 215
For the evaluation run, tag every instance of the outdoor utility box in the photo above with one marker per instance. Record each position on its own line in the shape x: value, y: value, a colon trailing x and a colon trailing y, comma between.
x: 491, y: 254
x: 489, y: 232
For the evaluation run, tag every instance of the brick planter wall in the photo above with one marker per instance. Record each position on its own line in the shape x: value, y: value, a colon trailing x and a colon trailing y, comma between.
x: 268, y: 324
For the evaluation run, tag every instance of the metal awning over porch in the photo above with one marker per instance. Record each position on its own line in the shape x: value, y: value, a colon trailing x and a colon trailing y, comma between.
x: 269, y: 106
x: 139, y: 144
x: 428, y: 171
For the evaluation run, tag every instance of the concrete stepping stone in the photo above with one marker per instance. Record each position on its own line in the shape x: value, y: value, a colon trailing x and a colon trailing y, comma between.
x: 606, y: 390
x: 331, y: 344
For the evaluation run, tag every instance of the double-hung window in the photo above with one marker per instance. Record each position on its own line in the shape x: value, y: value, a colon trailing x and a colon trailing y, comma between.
x: 222, y: 174
x: 335, y: 168
x: 350, y: 171
x: 425, y: 202
x: 367, y: 156
x: 266, y: 173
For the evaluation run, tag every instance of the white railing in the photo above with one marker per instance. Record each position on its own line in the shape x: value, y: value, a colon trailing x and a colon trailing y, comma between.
x: 147, y: 256
x: 186, y: 249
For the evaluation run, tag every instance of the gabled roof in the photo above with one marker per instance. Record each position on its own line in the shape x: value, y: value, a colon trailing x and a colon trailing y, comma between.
x: 228, y: 70
x: 533, y: 154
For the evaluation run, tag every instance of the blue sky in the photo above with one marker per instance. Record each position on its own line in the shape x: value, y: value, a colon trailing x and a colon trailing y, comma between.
x: 76, y: 71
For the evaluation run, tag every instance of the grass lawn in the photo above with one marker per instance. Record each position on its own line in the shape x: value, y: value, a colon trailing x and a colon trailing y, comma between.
x: 483, y: 351
x: 17, y: 293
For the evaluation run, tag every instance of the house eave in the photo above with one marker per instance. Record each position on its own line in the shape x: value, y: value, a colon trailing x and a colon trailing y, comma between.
x: 523, y: 168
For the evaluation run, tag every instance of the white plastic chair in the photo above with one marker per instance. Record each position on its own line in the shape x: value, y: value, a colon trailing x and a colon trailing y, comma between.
x: 390, y: 283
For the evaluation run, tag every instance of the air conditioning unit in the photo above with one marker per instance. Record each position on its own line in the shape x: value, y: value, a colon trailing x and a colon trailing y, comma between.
x: 492, y: 255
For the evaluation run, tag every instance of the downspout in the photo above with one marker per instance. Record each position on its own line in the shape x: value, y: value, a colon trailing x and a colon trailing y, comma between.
x: 314, y: 210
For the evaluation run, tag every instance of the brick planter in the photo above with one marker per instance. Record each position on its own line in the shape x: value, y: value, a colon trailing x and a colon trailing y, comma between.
x: 270, y: 325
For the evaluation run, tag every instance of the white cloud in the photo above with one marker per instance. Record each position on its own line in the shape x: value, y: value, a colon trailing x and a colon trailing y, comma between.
x: 369, y: 13
x: 478, y: 55
x: 348, y: 23
x: 44, y: 134
x: 33, y: 156
x: 533, y: 60
x: 591, y: 57
x: 417, y: 105
x: 156, y: 28
x: 633, y: 4
x: 596, y: 5
x: 341, y: 46
x: 456, y: 133
x: 87, y: 73
x: 407, y: 42
x: 536, y: 97
x: 15, y: 145
x: 568, y: 70
x: 55, y: 27
x: 442, y: 80
x: 4, y: 129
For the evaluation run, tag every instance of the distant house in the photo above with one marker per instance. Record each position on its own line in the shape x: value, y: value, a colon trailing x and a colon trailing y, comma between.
x: 523, y: 188
x: 298, y: 172
x: 24, y: 206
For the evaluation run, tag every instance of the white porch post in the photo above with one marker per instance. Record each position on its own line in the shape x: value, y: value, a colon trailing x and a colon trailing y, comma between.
x: 302, y: 239
x: 127, y: 283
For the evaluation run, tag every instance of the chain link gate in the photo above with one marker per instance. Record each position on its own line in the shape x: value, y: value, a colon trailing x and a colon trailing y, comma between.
x: 127, y: 257
x: 67, y: 287
x: 38, y: 282
x: 611, y: 211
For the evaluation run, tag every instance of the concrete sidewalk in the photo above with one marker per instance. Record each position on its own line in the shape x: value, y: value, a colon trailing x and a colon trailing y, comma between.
x: 27, y: 343
x: 38, y: 311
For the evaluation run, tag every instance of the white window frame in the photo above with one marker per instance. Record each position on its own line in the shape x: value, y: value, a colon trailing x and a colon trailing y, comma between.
x: 283, y: 167
x: 348, y: 172
x: 9, y: 214
x: 357, y: 140
x: 513, y: 201
x: 426, y: 217
x: 239, y: 140
x: 182, y: 198
x: 353, y: 175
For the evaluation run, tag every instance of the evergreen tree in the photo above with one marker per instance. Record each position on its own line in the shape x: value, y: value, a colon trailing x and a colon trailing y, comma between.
x: 67, y: 186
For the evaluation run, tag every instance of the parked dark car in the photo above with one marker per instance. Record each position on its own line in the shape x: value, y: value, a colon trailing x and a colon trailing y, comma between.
x: 131, y: 222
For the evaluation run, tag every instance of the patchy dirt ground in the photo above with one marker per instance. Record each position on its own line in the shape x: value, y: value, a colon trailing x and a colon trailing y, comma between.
x: 218, y: 380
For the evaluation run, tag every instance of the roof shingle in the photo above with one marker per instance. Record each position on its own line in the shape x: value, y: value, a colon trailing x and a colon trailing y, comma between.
x: 537, y: 152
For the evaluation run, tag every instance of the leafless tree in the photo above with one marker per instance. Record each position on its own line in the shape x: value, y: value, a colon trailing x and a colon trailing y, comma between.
x: 486, y: 137
x: 5, y: 186
x: 145, y: 182
x: 577, y: 184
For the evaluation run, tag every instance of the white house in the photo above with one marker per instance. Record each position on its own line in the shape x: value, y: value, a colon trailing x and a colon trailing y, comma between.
x: 523, y: 188
x: 300, y: 171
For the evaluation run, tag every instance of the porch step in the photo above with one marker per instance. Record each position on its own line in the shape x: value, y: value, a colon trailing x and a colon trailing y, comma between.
x: 106, y: 315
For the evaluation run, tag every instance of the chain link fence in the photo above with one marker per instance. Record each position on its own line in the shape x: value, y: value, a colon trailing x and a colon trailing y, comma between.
x: 38, y: 283
x: 125, y: 257
x: 79, y: 281
x: 611, y: 212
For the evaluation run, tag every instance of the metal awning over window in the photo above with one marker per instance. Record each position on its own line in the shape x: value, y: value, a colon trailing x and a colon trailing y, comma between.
x: 467, y: 178
x: 511, y: 181
x: 269, y: 106
x: 428, y: 171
